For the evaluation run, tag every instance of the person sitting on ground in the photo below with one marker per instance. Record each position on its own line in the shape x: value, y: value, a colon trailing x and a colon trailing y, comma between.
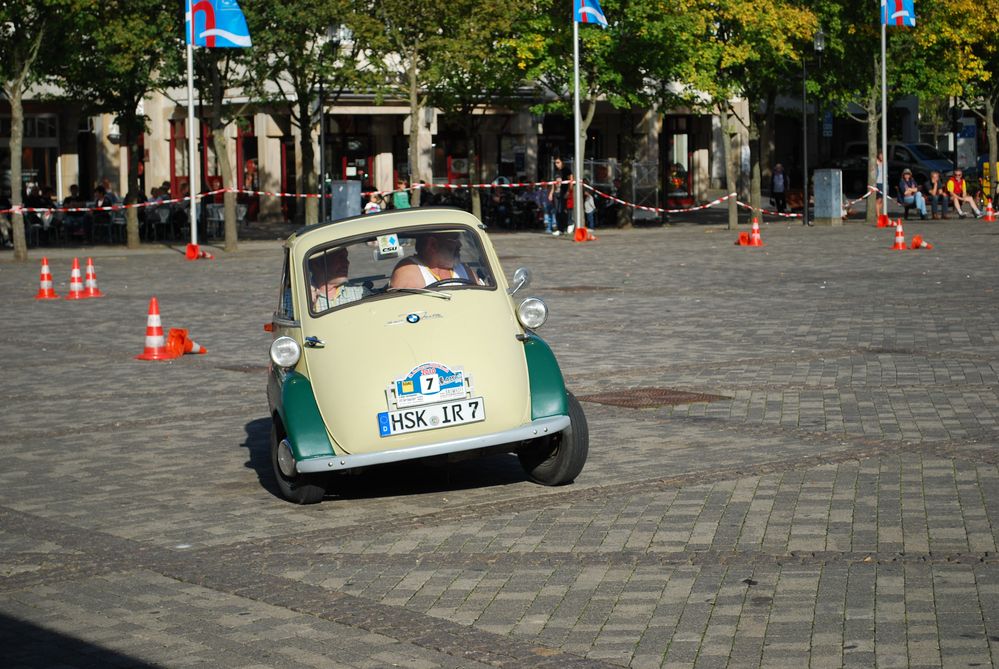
x: 909, y: 193
x: 328, y: 273
x: 958, y: 190
x: 936, y: 193
x: 436, y: 259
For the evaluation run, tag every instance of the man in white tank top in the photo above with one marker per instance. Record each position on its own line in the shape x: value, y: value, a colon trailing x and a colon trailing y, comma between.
x: 436, y: 259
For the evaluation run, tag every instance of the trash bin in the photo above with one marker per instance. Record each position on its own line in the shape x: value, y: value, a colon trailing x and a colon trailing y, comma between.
x: 345, y: 199
x: 828, y: 185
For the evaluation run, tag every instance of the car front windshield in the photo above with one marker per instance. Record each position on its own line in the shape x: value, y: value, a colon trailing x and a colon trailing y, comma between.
x: 395, y: 262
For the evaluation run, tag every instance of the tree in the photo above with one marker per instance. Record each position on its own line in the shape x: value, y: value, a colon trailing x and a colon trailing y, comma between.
x: 299, y: 44
x: 133, y: 40
x: 24, y: 27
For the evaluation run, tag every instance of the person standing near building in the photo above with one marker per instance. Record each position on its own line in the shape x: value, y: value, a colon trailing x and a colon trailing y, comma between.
x: 778, y: 188
x: 563, y: 178
x: 400, y: 198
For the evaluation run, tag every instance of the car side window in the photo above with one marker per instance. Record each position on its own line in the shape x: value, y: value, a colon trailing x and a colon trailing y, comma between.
x: 903, y: 155
x: 285, y: 309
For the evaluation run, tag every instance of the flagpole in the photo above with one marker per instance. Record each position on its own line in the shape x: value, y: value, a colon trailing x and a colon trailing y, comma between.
x: 884, y: 108
x: 577, y: 192
x: 190, y: 136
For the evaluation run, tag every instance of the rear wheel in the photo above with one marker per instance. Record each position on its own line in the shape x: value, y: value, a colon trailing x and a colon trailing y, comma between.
x: 295, y: 487
x: 558, y: 459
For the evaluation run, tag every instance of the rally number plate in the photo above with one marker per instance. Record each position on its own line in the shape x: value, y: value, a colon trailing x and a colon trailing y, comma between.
x: 431, y: 416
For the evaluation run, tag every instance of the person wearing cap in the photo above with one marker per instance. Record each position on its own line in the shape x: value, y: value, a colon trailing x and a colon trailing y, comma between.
x: 909, y: 193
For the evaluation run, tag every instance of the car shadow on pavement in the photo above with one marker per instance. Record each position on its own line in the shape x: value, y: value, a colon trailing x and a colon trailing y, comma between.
x: 414, y: 477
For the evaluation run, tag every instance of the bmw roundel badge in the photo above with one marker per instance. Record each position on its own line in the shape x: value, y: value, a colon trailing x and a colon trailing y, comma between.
x: 413, y: 318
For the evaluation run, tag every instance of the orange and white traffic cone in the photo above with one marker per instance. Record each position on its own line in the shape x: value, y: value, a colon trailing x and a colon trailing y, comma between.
x: 178, y: 343
x: 990, y: 215
x: 883, y: 221
x: 155, y: 345
x: 899, y: 238
x: 75, y: 282
x: 590, y: 237
x: 194, y: 252
x: 919, y: 243
x: 754, y: 235
x: 579, y: 235
x: 90, y: 288
x: 45, y: 290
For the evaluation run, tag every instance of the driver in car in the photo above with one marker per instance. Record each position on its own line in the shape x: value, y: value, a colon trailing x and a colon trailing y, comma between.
x: 435, y: 260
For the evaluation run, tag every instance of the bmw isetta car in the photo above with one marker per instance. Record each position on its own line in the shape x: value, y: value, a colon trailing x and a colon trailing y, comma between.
x: 397, y: 337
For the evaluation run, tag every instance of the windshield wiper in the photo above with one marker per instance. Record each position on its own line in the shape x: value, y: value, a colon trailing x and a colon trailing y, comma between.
x: 421, y: 291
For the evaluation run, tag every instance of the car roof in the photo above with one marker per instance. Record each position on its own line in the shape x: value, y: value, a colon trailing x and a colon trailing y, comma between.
x: 371, y: 224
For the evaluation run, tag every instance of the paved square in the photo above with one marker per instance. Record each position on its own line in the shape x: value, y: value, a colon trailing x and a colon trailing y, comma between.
x: 833, y: 507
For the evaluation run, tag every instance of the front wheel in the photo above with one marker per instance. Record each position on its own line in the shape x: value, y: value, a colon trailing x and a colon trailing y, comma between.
x: 295, y: 487
x: 558, y: 459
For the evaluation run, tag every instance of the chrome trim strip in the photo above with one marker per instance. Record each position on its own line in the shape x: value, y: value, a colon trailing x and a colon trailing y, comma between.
x: 537, y: 428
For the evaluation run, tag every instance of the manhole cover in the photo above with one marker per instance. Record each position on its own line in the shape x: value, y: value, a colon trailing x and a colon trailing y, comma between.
x: 643, y: 398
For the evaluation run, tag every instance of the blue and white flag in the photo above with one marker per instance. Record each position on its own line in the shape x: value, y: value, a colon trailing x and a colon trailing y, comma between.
x: 898, y: 13
x: 216, y: 23
x: 588, y: 11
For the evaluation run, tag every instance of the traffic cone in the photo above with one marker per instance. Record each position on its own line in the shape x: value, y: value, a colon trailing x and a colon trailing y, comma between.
x: 75, y: 282
x: 194, y: 253
x: 883, y: 220
x: 754, y: 236
x: 590, y: 237
x: 990, y: 216
x: 178, y: 343
x: 899, y: 238
x: 919, y: 243
x: 743, y: 239
x: 90, y: 288
x: 45, y: 290
x: 579, y: 235
x: 155, y: 345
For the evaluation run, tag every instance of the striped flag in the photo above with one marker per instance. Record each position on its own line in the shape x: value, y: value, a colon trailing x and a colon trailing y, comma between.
x: 898, y: 13
x: 589, y: 11
x: 216, y: 23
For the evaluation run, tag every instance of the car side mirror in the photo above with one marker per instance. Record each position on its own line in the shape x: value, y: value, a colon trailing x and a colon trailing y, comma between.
x: 521, y: 279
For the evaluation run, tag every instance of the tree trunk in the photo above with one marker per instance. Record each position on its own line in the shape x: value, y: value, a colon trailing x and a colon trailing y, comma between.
x: 728, y: 136
x: 308, y: 158
x: 130, y: 123
x: 415, y: 107
x: 990, y: 131
x: 221, y: 144
x: 873, y: 119
x: 755, y: 176
x: 14, y: 93
x: 473, y: 172
x: 625, y: 215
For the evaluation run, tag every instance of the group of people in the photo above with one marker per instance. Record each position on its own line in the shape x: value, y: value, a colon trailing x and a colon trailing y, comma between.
x: 938, y: 192
x: 559, y: 203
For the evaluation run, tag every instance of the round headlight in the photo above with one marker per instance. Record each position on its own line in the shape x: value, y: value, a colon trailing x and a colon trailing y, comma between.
x: 285, y: 352
x: 532, y: 313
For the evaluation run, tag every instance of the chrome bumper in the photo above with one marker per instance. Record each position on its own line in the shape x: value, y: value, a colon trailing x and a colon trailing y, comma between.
x: 534, y: 429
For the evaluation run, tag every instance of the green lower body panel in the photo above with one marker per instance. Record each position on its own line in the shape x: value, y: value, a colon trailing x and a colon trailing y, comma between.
x: 303, y: 425
x: 548, y: 395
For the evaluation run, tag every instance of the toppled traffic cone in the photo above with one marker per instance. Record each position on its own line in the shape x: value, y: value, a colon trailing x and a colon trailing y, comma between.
x: 580, y: 235
x: 178, y: 343
x: 754, y: 235
x: 194, y: 252
x: 590, y: 237
x: 919, y: 243
x: 90, y: 288
x: 45, y: 290
x: 155, y: 345
x: 899, y: 237
x: 75, y: 282
x: 743, y: 239
x: 990, y: 215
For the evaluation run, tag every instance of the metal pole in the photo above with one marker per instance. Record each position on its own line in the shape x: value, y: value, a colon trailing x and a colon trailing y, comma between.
x: 190, y: 137
x: 577, y: 168
x: 322, y: 152
x: 804, y: 143
x: 884, y: 114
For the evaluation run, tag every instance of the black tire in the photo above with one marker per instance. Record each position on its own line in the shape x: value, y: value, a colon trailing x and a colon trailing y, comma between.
x: 558, y: 459
x: 298, y: 488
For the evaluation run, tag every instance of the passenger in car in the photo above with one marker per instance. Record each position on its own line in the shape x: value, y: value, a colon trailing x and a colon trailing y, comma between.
x: 436, y: 259
x: 328, y: 274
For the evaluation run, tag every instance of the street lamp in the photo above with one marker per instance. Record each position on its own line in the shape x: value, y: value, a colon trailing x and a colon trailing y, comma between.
x: 820, y: 45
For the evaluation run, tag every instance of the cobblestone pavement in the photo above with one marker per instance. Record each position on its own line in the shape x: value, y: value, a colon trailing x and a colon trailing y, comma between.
x: 836, y: 503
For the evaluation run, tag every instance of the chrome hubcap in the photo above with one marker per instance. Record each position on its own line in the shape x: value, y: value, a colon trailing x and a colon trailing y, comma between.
x: 285, y: 460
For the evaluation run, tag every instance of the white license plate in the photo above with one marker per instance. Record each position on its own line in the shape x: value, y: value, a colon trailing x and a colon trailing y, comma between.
x: 431, y: 416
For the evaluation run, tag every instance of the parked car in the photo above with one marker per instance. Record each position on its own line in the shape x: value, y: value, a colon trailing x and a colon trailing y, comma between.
x: 921, y: 158
x: 365, y: 371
